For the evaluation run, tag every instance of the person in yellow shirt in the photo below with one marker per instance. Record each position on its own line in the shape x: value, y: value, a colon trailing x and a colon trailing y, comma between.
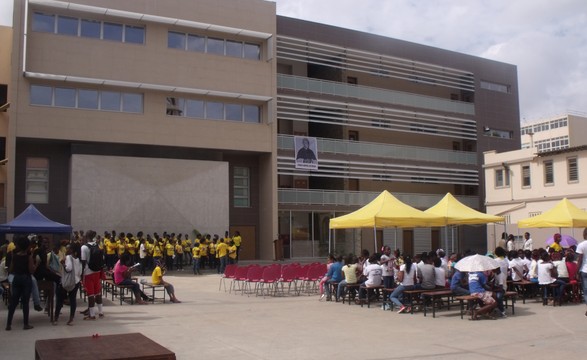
x: 203, y: 253
x: 110, y: 247
x: 222, y: 252
x: 157, y: 279
x: 237, y: 242
x: 178, y: 255
x: 157, y: 249
x: 187, y: 250
x: 231, y: 252
x: 212, y: 253
x: 196, y: 256
x: 556, y: 245
x: 169, y: 254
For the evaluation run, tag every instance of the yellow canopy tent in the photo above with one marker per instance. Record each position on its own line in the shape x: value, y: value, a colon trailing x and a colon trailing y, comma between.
x: 454, y: 212
x: 564, y: 214
x: 385, y: 211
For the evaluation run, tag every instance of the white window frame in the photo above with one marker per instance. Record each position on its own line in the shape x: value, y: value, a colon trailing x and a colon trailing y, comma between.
x: 502, y: 178
x: 241, y: 200
x: 36, y: 175
x: 529, y: 177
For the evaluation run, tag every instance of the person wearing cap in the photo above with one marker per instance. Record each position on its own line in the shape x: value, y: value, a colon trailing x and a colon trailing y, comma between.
x: 556, y: 245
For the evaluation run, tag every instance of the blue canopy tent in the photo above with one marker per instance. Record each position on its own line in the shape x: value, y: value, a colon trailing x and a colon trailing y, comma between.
x: 32, y: 221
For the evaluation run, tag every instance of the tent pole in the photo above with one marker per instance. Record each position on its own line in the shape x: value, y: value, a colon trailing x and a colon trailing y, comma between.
x: 375, y: 239
x: 329, y: 236
x: 395, y: 239
x: 446, y: 239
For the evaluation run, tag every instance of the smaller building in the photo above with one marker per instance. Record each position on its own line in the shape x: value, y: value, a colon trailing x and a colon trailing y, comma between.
x: 559, y: 132
x: 526, y: 182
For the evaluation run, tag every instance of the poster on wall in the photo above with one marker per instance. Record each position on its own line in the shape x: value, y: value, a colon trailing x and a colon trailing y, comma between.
x: 306, y: 149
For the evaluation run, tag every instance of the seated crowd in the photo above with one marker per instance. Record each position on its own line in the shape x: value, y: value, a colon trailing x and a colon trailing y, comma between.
x: 552, y: 268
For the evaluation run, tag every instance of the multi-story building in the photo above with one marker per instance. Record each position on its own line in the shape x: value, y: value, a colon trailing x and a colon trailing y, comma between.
x: 182, y: 115
x: 386, y: 114
x: 559, y: 132
x: 525, y: 183
x: 145, y: 116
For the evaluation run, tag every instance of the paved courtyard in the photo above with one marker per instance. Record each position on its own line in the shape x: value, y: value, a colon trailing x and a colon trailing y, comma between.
x: 214, y: 324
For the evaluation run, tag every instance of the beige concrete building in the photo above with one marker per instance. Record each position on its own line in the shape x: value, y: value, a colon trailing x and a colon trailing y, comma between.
x: 525, y: 183
x: 559, y: 132
x: 179, y: 115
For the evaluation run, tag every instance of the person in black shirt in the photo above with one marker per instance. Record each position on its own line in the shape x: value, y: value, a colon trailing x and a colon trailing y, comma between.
x: 22, y: 266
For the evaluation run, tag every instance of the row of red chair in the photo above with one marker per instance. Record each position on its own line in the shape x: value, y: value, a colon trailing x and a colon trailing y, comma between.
x: 271, y: 279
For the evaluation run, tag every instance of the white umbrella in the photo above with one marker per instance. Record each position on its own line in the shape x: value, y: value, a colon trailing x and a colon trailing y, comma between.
x: 476, y: 263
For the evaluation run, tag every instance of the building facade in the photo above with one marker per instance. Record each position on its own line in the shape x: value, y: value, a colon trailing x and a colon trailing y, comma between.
x: 386, y: 115
x: 556, y: 133
x: 186, y: 115
x: 525, y: 183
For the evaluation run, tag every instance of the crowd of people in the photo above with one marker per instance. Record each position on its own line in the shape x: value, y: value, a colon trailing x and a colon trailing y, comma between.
x: 398, y: 273
x: 87, y: 258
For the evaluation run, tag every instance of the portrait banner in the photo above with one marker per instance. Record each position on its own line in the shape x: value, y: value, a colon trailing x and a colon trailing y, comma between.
x: 306, y: 150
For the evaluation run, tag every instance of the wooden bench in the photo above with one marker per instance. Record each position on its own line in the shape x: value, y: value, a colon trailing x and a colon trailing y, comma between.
x: 153, y: 289
x: 368, y: 290
x: 523, y: 288
x: 415, y: 294
x: 470, y: 299
x: 118, y: 290
x: 351, y: 290
x: 510, y: 296
x: 435, y: 296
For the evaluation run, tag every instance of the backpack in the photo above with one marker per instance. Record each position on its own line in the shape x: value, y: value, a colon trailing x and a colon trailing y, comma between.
x: 96, y: 262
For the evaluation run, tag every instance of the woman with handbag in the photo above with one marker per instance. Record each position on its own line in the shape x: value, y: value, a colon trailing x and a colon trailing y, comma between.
x: 70, y: 279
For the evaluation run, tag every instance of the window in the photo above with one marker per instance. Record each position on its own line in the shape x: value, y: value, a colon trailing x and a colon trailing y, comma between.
x: 548, y: 173
x: 251, y: 114
x: 241, y: 187
x: 234, y: 48
x: 175, y: 40
x: 526, y: 182
x: 73, y: 26
x: 573, y: 168
x: 495, y: 87
x: 211, y: 45
x: 234, y: 112
x: 67, y: 25
x: 502, y: 178
x: 252, y: 51
x: 196, y: 43
x: 213, y: 110
x: 215, y: 46
x: 37, y: 181
x: 86, y: 99
x: 195, y: 108
x: 90, y: 28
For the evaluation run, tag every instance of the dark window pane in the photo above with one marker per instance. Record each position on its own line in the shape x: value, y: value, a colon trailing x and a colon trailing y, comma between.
x: 110, y: 100
x: 215, y: 46
x: 112, y: 32
x: 67, y: 25
x: 132, y: 103
x: 252, y: 113
x: 252, y: 51
x: 234, y: 112
x: 41, y: 95
x: 65, y: 97
x: 90, y: 28
x: 87, y: 99
x: 196, y: 43
x: 195, y: 109
x: 134, y: 34
x: 175, y: 106
x: 214, y: 110
x: 234, y: 48
x: 175, y: 40
x: 43, y: 23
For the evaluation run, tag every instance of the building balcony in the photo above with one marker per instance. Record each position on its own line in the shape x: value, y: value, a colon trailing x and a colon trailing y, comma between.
x: 324, y: 87
x: 389, y: 151
x: 360, y: 198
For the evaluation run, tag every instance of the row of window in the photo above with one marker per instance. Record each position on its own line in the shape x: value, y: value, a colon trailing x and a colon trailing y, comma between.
x: 106, y: 30
x: 545, y: 126
x: 557, y: 143
x: 213, y: 110
x: 37, y: 183
x: 487, y: 85
x: 502, y: 176
x: 72, y: 26
x: 87, y: 99
x: 213, y: 45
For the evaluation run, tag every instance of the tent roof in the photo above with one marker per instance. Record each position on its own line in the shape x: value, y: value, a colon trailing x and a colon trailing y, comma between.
x: 564, y: 214
x: 456, y: 213
x: 386, y: 211
x: 32, y: 221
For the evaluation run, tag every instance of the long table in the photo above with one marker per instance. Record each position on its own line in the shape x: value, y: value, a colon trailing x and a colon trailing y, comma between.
x: 120, y: 346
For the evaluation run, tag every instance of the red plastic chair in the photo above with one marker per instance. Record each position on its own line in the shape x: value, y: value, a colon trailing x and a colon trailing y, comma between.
x: 289, y: 276
x: 229, y: 273
x: 254, y: 276
x: 269, y: 280
x: 240, y: 276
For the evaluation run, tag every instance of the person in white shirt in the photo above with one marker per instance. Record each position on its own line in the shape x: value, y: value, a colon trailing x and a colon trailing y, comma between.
x: 547, y: 275
x: 510, y: 243
x: 528, y: 242
x: 373, y: 273
x: 582, y: 263
x: 516, y: 266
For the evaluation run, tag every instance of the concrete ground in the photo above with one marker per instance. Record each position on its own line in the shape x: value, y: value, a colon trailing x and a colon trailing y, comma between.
x: 215, y: 324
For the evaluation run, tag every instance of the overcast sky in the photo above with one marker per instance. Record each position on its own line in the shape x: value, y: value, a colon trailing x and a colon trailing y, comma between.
x: 546, y: 39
